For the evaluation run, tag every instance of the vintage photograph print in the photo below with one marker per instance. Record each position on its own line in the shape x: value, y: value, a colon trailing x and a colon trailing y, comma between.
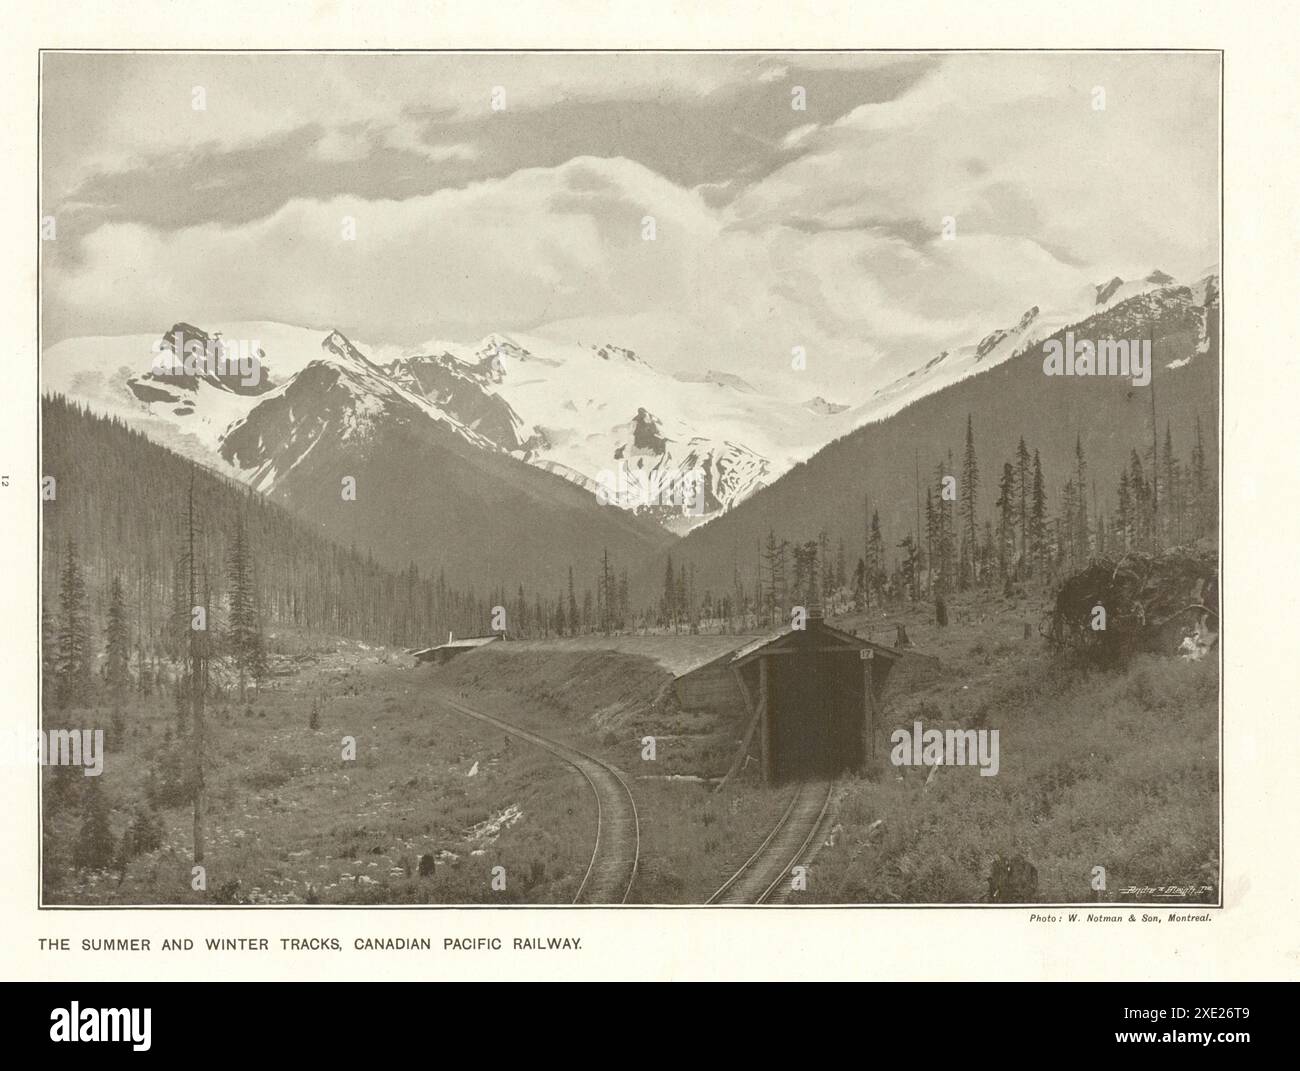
x: 629, y: 478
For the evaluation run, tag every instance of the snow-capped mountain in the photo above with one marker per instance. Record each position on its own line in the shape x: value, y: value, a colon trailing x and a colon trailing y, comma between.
x: 1136, y: 302
x: 1002, y: 396
x: 680, y: 449
x: 675, y: 449
x: 341, y: 398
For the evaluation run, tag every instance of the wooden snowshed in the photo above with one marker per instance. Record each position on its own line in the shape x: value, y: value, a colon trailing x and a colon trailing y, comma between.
x: 813, y: 696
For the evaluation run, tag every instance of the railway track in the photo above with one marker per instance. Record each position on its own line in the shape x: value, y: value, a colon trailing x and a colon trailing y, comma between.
x: 764, y: 877
x: 612, y: 870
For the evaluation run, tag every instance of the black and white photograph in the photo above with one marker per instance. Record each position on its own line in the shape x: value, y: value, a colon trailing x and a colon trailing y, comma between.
x: 634, y: 477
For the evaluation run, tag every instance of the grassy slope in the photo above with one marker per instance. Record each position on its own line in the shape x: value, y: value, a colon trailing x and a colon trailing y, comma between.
x: 1098, y: 768
x: 1116, y: 768
x: 692, y: 839
x: 286, y: 813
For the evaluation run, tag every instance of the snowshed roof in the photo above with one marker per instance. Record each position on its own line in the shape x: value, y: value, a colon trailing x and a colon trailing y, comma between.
x: 675, y: 654
x: 458, y: 645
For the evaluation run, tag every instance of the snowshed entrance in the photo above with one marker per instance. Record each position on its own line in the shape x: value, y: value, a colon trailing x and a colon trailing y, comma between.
x: 813, y: 697
x: 816, y: 711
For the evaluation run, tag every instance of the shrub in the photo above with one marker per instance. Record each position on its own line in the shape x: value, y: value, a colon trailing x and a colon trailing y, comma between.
x: 228, y: 893
x: 117, y: 729
x: 145, y: 832
x: 95, y: 843
x: 169, y: 781
x: 279, y: 770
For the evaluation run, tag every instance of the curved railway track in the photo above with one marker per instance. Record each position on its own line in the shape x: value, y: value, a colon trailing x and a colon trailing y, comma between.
x: 612, y: 870
x: 763, y: 877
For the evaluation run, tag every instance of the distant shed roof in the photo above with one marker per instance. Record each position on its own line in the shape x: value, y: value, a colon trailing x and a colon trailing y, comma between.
x: 472, y: 641
x: 675, y: 654
x: 458, y: 645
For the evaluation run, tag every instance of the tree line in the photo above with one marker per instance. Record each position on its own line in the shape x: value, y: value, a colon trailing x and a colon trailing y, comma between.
x: 967, y: 536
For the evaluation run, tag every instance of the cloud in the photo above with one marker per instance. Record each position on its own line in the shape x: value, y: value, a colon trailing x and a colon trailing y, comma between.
x: 556, y: 251
x: 1011, y: 145
x: 121, y: 133
x: 773, y: 229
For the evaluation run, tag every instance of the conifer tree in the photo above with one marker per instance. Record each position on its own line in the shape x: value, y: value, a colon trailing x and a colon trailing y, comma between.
x: 1173, y: 488
x: 74, y: 662
x: 1124, y: 522
x: 826, y: 587
x: 1023, y: 476
x: 1038, y: 516
x: 117, y: 662
x: 1202, y: 501
x: 909, y: 567
x: 1081, y: 536
x: 1006, y: 507
x: 876, y: 575
x: 771, y: 556
x: 682, y: 597
x: 947, y: 548
x: 970, y: 480
x: 95, y: 845
x: 245, y: 632
x: 1143, y: 509
x: 670, y: 594
x: 932, y: 535
x: 49, y: 657
x: 573, y: 607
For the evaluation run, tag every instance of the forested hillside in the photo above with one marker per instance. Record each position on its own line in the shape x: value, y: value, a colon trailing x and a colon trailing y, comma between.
x: 119, y: 506
x: 1110, y: 463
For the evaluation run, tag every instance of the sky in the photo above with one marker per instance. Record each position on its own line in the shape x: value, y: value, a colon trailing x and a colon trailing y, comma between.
x: 680, y: 204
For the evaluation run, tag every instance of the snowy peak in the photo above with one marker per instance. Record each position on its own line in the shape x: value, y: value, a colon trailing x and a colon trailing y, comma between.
x: 729, y: 472
x: 592, y: 413
x: 579, y: 427
x: 822, y: 407
x: 564, y: 408
x: 187, y: 357
x: 608, y: 352
x: 1105, y: 290
x: 992, y: 341
x: 462, y: 392
x: 326, y: 402
x: 646, y: 439
x: 1117, y: 308
x: 1118, y: 290
x: 338, y: 347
